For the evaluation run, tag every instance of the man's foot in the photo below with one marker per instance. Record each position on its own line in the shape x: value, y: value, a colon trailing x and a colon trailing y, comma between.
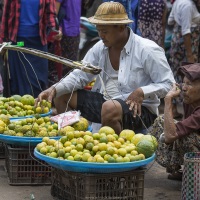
x: 54, y: 111
x: 175, y: 176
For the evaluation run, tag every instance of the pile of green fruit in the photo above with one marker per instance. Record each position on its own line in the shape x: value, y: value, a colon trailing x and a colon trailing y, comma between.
x: 102, y: 147
x: 36, y: 126
x: 20, y: 106
x: 29, y: 127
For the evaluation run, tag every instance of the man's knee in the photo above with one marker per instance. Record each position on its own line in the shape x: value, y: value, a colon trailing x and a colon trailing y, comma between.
x: 111, y: 110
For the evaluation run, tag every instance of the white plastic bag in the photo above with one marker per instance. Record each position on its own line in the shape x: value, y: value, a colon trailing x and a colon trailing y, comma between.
x: 66, y: 119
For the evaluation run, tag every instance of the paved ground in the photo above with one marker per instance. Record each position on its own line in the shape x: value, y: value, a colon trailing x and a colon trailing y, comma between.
x: 157, y: 187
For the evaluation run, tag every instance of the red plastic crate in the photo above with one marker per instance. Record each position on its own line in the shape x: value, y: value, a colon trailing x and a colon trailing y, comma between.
x: 83, y: 186
x: 23, y: 168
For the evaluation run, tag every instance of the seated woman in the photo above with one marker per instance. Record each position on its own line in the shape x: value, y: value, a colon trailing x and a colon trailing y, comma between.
x: 179, y: 137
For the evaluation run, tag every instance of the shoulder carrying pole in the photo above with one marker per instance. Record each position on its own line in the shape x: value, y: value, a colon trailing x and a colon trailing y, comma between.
x: 86, y: 67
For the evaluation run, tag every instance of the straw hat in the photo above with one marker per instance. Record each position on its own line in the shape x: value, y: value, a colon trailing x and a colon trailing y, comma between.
x: 110, y: 13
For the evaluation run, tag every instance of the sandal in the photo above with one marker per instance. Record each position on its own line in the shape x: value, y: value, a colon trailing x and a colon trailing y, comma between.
x: 175, y: 176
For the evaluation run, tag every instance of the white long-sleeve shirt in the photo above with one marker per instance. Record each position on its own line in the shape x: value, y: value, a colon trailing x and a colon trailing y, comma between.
x: 142, y: 65
x: 185, y: 14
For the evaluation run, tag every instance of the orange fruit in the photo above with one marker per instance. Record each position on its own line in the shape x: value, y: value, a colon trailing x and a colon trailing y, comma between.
x: 45, y: 110
x: 38, y: 110
x: 107, y: 130
x: 79, y: 147
x: 91, y: 159
x: 127, y: 134
x: 111, y: 160
x: 27, y: 100
x: 122, y: 151
x: 119, y: 159
x: 136, y: 138
x: 110, y: 151
x: 100, y: 160
x: 102, y: 146
x: 78, y: 157
x: 85, y: 157
x: 89, y: 146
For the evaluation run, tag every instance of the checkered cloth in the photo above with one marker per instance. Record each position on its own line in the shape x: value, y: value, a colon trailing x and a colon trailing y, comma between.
x: 191, y: 177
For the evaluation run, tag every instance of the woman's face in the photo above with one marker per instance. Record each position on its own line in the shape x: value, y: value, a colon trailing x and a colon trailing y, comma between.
x: 191, y: 92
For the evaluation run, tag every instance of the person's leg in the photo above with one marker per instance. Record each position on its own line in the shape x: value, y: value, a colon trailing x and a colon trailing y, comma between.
x: 87, y: 102
x: 111, y: 115
x: 171, y: 156
x: 176, y: 57
x: 66, y: 102
x: 70, y: 47
x: 116, y: 114
x: 90, y: 104
x: 139, y: 124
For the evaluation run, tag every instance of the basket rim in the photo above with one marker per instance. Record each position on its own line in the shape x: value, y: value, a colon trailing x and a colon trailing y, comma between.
x: 191, y: 157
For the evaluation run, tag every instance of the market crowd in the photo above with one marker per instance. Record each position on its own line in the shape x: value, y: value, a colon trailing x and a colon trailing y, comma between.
x: 135, y: 72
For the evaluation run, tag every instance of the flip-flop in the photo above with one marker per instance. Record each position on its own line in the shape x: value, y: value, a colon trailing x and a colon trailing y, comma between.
x: 175, y: 176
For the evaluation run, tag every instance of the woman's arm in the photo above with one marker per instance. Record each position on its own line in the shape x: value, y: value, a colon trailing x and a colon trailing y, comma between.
x: 169, y: 125
x: 164, y: 19
x: 188, y: 48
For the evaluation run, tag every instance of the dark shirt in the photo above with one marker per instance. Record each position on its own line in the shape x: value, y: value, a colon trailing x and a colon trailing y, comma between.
x: 71, y: 22
x: 191, y: 123
x: 11, y: 15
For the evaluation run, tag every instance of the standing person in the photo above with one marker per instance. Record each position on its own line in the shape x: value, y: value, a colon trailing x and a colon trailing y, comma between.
x: 179, y: 137
x: 152, y: 20
x: 131, y: 7
x: 185, y: 19
x: 135, y: 75
x: 90, y: 7
x: 70, y: 13
x: 27, y: 21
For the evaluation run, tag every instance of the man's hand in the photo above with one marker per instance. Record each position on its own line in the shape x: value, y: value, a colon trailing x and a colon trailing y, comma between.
x: 47, y: 94
x: 135, y: 100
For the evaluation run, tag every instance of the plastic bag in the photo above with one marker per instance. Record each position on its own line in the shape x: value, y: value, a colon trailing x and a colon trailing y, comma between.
x: 66, y: 119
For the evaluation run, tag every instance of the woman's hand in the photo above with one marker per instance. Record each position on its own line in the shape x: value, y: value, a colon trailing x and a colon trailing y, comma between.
x: 174, y: 92
x: 170, y: 134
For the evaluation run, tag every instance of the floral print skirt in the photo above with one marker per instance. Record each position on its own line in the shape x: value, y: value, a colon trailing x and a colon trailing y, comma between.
x: 68, y: 48
x: 178, y: 52
x: 172, y: 156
